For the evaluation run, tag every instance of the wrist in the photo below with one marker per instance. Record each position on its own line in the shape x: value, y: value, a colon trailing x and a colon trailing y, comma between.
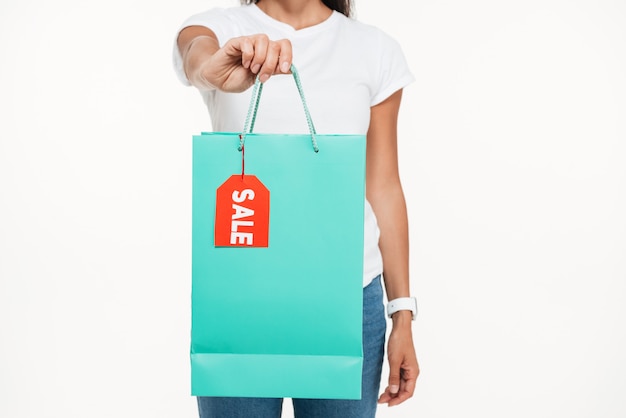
x: 205, y: 78
x: 402, y: 319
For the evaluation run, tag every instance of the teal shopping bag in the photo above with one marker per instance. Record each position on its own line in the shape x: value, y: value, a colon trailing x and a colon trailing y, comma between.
x: 283, y: 319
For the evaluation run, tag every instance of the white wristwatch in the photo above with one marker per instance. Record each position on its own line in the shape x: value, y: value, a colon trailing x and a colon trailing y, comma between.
x: 402, y: 304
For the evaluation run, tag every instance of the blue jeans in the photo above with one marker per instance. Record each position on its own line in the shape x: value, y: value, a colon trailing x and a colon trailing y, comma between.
x: 374, y: 327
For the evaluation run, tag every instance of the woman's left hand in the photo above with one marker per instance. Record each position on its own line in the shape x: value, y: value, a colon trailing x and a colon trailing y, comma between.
x: 403, y: 366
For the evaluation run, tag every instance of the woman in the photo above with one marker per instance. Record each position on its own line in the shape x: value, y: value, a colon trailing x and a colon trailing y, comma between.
x: 353, y: 75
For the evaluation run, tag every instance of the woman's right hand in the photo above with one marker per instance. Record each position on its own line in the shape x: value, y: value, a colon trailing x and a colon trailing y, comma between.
x: 236, y: 64
x: 233, y: 67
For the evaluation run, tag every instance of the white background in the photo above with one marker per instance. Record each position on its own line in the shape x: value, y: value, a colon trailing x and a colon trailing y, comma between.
x: 512, y: 151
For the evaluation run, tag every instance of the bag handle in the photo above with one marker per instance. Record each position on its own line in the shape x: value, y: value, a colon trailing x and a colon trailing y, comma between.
x: 254, y: 106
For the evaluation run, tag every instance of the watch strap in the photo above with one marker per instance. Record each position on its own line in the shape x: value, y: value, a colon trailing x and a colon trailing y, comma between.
x: 402, y: 304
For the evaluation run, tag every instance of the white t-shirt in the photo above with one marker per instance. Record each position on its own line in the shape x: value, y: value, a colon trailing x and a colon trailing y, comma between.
x: 345, y: 66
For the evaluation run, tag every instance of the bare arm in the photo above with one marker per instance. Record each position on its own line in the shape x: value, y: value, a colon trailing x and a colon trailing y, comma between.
x: 234, y: 66
x: 384, y: 192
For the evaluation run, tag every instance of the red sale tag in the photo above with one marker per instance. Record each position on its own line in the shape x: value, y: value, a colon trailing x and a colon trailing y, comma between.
x: 242, y: 213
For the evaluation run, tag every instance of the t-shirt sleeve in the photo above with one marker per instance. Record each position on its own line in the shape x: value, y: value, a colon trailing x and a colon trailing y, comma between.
x: 214, y: 19
x: 393, y: 70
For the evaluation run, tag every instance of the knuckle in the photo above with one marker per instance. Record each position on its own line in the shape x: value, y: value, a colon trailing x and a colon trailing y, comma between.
x: 275, y: 47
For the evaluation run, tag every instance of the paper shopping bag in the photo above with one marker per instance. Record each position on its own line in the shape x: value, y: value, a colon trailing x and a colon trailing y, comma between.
x: 277, y: 263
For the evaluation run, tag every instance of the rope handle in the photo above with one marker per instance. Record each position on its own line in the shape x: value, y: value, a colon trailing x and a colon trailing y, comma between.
x: 254, y: 106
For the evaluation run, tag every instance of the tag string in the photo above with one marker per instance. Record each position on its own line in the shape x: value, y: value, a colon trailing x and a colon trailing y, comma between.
x: 243, y: 161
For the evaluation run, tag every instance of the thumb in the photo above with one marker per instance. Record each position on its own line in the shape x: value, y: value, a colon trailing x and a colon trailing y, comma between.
x: 394, y: 375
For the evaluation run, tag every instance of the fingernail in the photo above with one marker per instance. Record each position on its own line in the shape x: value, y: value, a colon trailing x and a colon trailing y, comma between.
x: 284, y: 67
x: 394, y: 388
x: 264, y: 77
x: 255, y: 68
x: 246, y: 64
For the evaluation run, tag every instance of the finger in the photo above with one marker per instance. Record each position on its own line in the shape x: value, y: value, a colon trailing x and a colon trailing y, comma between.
x: 397, y: 400
x: 261, y: 43
x: 407, y: 388
x: 247, y: 52
x: 394, y: 375
x: 286, y: 56
x: 385, y: 397
x: 239, y: 47
x: 271, y: 61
